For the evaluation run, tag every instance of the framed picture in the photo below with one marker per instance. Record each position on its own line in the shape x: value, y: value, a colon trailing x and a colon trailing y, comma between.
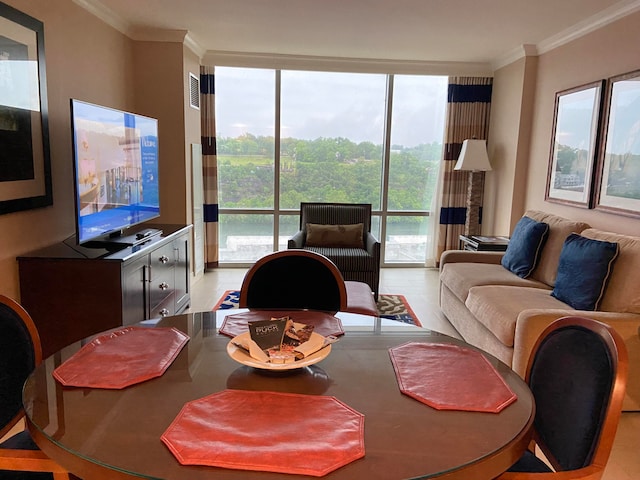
x: 25, y: 167
x: 618, y: 186
x: 574, y: 145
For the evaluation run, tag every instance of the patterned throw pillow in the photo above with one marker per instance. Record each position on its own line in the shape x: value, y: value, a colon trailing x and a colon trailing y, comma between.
x: 524, y: 248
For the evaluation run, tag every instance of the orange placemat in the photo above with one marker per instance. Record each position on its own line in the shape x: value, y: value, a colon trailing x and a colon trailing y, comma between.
x: 267, y: 431
x: 324, y: 323
x: 450, y: 377
x: 121, y: 358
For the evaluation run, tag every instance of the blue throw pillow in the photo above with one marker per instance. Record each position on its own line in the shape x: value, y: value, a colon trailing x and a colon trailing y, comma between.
x: 583, y: 271
x: 525, y: 246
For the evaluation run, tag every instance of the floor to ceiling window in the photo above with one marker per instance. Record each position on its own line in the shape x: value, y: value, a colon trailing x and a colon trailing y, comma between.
x: 289, y: 136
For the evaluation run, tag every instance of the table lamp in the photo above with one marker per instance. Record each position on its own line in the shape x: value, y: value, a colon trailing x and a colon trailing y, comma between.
x: 473, y: 158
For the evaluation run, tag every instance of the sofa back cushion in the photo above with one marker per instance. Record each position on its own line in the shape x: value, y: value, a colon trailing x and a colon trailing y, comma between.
x: 525, y: 246
x: 622, y: 293
x: 559, y: 230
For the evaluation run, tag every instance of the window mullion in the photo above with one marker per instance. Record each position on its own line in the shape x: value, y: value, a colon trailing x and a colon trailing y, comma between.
x: 276, y: 164
x: 386, y: 155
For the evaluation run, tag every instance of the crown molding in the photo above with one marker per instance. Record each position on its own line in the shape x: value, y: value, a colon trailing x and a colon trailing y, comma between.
x: 105, y: 14
x: 140, y: 34
x: 591, y: 24
x: 193, y: 45
x: 516, y: 54
x: 228, y: 58
x: 603, y: 18
x: 342, y: 64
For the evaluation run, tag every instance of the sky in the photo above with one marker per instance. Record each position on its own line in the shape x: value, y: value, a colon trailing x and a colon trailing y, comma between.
x: 325, y: 104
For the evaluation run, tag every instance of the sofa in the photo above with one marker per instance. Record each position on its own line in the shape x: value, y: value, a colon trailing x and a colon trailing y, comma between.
x: 503, y: 312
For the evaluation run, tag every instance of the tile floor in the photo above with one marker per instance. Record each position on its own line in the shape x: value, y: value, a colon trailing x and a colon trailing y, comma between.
x: 420, y: 287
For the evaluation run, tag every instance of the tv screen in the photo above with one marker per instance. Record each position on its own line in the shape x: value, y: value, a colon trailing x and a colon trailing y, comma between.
x: 116, y: 170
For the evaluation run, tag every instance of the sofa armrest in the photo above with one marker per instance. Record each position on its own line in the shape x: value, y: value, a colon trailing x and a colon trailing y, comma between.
x: 297, y: 241
x: 532, y: 322
x: 467, y: 256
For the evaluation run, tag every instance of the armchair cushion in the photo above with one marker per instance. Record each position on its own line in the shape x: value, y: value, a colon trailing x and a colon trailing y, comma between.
x: 344, y: 236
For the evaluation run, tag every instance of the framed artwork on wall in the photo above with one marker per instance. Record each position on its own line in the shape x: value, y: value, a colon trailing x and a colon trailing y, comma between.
x: 25, y: 166
x: 574, y: 145
x: 618, y: 179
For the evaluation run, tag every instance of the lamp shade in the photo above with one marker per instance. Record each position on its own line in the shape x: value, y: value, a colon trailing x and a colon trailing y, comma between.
x: 473, y: 156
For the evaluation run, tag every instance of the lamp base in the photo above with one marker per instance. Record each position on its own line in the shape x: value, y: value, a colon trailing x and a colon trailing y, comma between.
x: 475, y: 191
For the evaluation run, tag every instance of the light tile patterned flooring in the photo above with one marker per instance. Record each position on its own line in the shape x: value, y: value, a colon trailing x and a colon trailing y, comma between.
x: 420, y: 287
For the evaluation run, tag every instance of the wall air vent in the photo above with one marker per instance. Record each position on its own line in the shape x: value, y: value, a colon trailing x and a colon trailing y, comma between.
x: 194, y: 91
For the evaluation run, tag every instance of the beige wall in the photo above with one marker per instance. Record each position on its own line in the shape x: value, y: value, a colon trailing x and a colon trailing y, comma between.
x: 91, y: 61
x: 508, y: 144
x: 87, y: 60
x: 192, y: 124
x: 159, y: 85
x: 609, y: 51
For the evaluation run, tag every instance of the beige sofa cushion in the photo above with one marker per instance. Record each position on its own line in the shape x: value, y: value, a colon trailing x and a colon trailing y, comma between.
x: 498, y: 307
x: 460, y: 277
x: 622, y: 292
x: 559, y: 230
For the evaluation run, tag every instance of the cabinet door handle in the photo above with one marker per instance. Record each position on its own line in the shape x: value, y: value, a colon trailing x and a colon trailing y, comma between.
x: 163, y: 286
x: 164, y: 312
x: 164, y: 259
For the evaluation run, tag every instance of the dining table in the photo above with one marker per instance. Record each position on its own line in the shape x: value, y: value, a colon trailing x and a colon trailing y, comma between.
x: 369, y: 420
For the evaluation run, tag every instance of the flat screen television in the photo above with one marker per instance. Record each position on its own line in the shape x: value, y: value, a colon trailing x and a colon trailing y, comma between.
x: 115, y: 156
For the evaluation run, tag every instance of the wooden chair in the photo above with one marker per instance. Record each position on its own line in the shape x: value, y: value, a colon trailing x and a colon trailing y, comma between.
x: 360, y: 263
x: 577, y: 373
x: 294, y: 280
x: 20, y: 353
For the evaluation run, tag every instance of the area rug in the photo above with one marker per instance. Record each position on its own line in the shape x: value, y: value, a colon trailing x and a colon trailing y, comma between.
x: 394, y: 307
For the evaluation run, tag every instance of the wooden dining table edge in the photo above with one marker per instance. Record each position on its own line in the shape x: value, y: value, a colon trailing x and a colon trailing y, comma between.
x: 80, y: 467
x: 492, y: 466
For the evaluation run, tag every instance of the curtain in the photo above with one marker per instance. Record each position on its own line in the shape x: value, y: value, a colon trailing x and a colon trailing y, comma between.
x: 467, y: 116
x: 209, y: 165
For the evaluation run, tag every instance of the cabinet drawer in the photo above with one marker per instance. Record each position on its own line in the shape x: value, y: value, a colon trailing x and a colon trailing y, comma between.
x: 161, y: 287
x: 162, y: 260
x: 165, y: 308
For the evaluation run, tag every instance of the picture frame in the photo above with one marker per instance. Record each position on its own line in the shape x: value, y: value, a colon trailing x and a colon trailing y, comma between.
x: 574, y: 145
x: 25, y: 164
x: 618, y: 174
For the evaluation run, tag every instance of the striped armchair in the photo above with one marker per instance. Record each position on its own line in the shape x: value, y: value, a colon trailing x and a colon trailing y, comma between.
x: 332, y: 229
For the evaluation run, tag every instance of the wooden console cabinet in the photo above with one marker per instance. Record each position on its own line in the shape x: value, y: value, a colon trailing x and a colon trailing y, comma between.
x: 72, y: 292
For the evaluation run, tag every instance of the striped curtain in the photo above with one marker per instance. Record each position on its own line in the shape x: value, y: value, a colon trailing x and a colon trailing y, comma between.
x: 468, y: 109
x: 209, y: 165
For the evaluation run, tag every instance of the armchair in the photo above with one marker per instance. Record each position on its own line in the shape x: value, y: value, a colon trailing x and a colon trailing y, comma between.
x: 333, y: 230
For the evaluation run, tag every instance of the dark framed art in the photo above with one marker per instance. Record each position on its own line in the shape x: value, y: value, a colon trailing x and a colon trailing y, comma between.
x: 618, y: 181
x: 25, y: 165
x: 574, y: 145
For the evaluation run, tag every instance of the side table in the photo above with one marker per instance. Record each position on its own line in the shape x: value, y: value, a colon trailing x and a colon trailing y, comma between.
x: 481, y: 243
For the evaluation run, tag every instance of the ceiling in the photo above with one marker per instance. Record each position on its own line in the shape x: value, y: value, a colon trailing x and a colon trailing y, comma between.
x: 484, y: 31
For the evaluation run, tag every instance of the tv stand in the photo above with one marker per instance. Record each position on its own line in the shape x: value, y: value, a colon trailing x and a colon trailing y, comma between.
x: 73, y: 291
